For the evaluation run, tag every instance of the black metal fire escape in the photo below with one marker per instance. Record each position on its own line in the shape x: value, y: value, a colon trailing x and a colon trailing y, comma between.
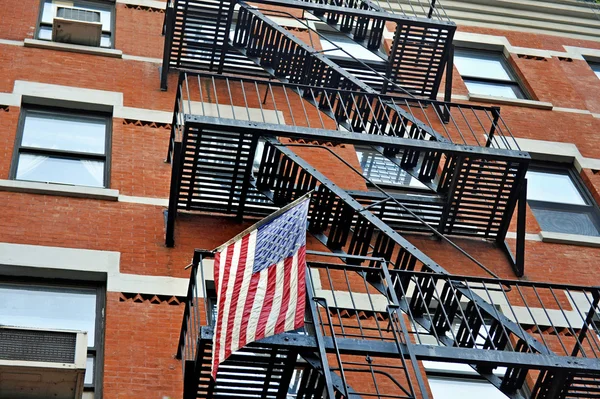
x: 515, y: 335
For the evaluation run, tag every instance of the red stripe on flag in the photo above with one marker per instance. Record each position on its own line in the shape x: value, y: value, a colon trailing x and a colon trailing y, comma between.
x: 268, y: 303
x: 221, y: 296
x: 301, y: 287
x: 285, y: 298
x: 235, y: 295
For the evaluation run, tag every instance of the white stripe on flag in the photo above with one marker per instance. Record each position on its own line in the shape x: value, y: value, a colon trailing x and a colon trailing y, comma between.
x: 237, y: 322
x: 235, y: 260
x: 259, y: 299
x: 277, y: 299
x: 290, y: 315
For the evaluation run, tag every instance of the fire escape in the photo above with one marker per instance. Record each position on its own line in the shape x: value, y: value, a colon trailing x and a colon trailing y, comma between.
x: 251, y: 95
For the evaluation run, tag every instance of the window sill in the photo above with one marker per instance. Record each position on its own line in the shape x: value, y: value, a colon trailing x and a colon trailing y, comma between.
x: 572, y: 239
x: 73, y: 48
x: 59, y: 189
x: 510, y: 101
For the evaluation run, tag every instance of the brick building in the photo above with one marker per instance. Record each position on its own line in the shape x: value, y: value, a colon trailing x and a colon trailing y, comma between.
x: 454, y: 222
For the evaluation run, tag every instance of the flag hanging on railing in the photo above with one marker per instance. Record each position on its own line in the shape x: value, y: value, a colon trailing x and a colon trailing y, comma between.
x: 260, y: 281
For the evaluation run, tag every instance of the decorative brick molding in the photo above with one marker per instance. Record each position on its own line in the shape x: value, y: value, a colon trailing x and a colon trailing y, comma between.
x: 149, y: 298
x: 532, y: 57
x: 144, y: 8
x: 154, y: 125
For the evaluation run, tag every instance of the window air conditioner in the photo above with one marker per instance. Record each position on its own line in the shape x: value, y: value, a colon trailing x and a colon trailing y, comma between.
x: 38, y: 363
x: 77, y: 26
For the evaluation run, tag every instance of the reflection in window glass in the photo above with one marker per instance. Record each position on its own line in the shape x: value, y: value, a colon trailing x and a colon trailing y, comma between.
x: 49, y: 169
x: 560, y: 203
x: 494, y: 90
x: 487, y: 73
x: 480, y: 65
x: 380, y: 169
x: 64, y: 132
x: 450, y: 388
x: 89, y: 370
x: 350, y: 47
x: 48, y: 307
x: 62, y: 147
x: 552, y: 187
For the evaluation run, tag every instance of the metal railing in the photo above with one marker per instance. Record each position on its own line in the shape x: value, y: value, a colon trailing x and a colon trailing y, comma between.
x: 287, y: 105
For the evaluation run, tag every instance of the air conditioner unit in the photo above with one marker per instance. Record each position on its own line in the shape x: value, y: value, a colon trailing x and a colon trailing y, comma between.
x: 77, y: 26
x: 38, y: 363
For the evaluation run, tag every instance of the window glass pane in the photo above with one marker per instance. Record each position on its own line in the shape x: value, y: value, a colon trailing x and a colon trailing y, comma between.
x: 450, y: 388
x: 45, y: 33
x: 49, y: 307
x: 553, y: 187
x: 64, y: 132
x: 381, y: 170
x: 105, y: 40
x: 596, y: 68
x: 569, y: 222
x: 49, y: 11
x: 89, y: 370
x: 49, y: 169
x: 349, y: 45
x: 481, y: 65
x: 494, y: 89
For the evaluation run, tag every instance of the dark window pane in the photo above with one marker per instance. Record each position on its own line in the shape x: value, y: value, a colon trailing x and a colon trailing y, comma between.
x: 49, y: 169
x: 596, y: 68
x: 568, y: 222
x: 64, y: 132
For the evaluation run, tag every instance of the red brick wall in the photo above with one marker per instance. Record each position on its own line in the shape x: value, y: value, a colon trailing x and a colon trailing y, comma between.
x: 141, y: 338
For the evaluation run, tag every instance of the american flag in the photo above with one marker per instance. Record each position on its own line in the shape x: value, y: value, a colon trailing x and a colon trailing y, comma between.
x: 259, y: 277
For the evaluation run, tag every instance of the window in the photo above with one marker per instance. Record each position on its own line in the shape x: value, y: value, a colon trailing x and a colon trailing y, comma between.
x: 381, y: 170
x: 487, y: 73
x: 70, y: 307
x: 330, y: 40
x: 49, y: 12
x: 62, y: 147
x: 450, y: 388
x: 596, y: 68
x: 560, y: 202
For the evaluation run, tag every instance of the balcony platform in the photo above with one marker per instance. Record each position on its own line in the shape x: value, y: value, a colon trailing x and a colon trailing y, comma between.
x: 509, y: 331
x: 214, y: 36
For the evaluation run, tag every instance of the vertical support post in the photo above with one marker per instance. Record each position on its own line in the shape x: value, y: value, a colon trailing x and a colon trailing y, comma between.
x: 405, y: 335
x: 310, y: 292
x: 169, y: 26
x: 518, y: 260
x: 588, y: 321
x: 431, y: 8
x: 448, y: 82
x: 172, y: 211
x: 190, y: 380
x: 495, y: 118
x: 247, y: 176
x: 521, y: 219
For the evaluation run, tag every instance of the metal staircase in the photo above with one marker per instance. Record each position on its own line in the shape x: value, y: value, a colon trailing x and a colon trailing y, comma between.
x: 418, y: 55
x: 388, y: 305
